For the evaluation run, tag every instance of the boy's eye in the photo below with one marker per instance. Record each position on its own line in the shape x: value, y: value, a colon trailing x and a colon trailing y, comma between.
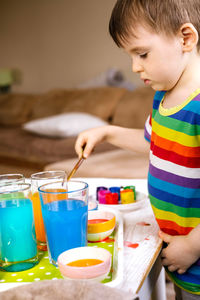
x: 143, y: 55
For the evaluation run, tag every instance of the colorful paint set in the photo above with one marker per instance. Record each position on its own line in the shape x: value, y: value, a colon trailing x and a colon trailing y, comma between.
x: 71, y: 219
x: 116, y: 195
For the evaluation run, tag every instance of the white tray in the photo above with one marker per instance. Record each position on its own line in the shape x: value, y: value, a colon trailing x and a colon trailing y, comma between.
x: 118, y: 254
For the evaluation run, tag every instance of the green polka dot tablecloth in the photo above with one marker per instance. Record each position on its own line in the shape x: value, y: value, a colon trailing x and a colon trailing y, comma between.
x: 44, y: 270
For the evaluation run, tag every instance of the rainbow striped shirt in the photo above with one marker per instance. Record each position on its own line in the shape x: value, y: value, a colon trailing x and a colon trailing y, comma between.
x: 174, y: 173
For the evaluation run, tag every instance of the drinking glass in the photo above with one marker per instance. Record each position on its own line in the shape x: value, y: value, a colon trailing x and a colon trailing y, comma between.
x: 65, y: 214
x: 11, y: 178
x: 18, y: 247
x: 38, y: 179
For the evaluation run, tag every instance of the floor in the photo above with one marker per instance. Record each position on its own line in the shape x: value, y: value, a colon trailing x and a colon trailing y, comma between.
x: 170, y: 290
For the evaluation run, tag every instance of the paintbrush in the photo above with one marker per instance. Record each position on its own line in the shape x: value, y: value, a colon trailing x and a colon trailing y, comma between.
x: 77, y: 165
x: 75, y: 168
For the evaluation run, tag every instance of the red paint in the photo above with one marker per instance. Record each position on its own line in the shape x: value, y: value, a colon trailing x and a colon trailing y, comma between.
x: 130, y: 245
x: 143, y: 224
x: 112, y: 198
x: 96, y: 221
x: 108, y: 240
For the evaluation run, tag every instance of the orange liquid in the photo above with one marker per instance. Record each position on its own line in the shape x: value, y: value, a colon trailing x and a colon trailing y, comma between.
x: 85, y: 262
x: 54, y: 195
x: 39, y: 224
x: 96, y: 221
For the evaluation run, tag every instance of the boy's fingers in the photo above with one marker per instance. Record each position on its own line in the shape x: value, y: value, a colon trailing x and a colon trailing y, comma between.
x: 181, y: 271
x: 164, y: 236
x: 172, y: 268
x: 87, y: 150
x: 79, y: 151
x: 79, y: 146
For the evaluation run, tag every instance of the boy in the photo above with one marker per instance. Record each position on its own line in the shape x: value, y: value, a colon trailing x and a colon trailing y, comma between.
x: 162, y: 38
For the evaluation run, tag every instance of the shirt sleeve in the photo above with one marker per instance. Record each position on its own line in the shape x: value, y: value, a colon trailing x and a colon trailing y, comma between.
x: 148, y: 125
x: 148, y: 128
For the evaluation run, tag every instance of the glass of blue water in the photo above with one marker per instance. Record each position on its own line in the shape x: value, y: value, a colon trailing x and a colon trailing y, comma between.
x: 18, y: 248
x: 65, y: 214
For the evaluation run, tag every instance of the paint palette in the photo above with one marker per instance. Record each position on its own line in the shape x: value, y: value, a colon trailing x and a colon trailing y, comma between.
x: 124, y: 208
x: 140, y: 200
x: 141, y: 192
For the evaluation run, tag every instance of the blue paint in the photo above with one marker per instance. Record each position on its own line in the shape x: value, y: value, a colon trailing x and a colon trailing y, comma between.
x: 66, y: 226
x: 17, y: 234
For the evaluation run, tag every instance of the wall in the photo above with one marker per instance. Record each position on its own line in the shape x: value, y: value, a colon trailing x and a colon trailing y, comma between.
x: 58, y: 43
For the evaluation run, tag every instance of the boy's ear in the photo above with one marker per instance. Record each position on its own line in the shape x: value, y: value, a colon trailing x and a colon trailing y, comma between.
x: 189, y: 37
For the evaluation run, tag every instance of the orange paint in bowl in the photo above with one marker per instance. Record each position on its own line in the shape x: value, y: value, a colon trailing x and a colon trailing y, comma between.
x: 88, y: 262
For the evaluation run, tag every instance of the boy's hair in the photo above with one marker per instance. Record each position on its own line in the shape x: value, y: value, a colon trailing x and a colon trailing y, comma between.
x: 161, y: 16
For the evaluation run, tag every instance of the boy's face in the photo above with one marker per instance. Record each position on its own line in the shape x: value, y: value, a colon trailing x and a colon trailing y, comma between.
x: 158, y: 59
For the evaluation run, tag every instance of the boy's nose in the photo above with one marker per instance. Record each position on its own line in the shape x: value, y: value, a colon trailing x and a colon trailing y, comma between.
x: 136, y: 67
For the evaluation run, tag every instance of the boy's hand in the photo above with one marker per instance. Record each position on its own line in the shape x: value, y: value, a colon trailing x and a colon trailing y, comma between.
x: 180, y: 253
x: 88, y: 139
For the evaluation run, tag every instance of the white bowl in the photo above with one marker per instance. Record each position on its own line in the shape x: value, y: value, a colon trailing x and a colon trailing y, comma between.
x: 95, y: 272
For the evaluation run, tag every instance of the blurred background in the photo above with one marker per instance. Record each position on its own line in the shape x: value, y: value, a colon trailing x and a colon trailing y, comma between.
x: 58, y: 43
x: 57, y: 57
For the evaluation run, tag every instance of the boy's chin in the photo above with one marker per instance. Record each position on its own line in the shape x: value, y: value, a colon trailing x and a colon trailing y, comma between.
x: 158, y: 88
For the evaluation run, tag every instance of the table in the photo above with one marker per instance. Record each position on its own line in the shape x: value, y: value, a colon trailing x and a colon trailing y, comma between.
x: 143, y: 274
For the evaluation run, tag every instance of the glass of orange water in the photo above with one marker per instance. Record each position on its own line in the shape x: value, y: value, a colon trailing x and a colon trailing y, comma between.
x: 38, y: 179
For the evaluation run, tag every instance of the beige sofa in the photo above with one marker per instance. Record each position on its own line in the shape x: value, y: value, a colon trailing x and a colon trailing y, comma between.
x: 25, y: 152
x: 131, y: 112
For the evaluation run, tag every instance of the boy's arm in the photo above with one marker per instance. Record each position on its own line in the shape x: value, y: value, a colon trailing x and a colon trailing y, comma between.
x: 182, y: 251
x: 126, y: 138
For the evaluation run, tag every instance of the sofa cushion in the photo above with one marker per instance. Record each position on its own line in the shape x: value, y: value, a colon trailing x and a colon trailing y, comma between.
x: 118, y: 163
x: 133, y: 108
x: 23, y: 146
x: 15, y: 108
x: 100, y: 102
x: 63, y: 125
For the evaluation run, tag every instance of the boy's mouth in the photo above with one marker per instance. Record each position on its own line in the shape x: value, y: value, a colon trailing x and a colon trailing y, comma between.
x: 146, y: 81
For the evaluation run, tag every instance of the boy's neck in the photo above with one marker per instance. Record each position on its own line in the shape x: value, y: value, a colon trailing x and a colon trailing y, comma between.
x: 187, y: 84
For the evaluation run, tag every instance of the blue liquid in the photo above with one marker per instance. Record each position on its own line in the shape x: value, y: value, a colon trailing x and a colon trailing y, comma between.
x: 66, y: 225
x: 17, y: 233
